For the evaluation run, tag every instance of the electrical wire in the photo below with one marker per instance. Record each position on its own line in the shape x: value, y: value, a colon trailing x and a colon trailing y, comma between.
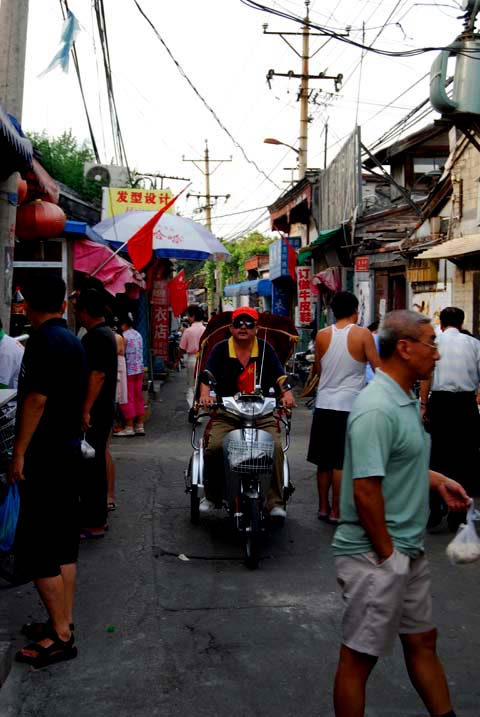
x: 80, y: 84
x: 329, y: 32
x: 118, y: 142
x: 201, y: 98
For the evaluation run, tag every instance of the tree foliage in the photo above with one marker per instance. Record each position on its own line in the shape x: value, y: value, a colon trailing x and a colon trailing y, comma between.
x: 64, y: 157
x: 241, y: 249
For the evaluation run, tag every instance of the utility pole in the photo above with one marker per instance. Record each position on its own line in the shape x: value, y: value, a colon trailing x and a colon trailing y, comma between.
x: 304, y: 76
x: 213, y: 301
x: 13, y: 43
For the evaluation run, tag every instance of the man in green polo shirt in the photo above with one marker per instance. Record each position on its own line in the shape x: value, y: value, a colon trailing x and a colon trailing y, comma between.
x: 378, y: 546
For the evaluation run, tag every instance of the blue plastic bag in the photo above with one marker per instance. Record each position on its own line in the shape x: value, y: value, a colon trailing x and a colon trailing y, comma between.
x: 9, y: 510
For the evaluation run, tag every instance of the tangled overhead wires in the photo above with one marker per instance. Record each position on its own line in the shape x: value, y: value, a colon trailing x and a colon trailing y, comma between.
x: 201, y: 98
x: 329, y: 32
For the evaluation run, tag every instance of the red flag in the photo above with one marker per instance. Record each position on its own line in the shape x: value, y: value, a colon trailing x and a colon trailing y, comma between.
x: 140, y: 245
x: 292, y: 259
x: 177, y: 294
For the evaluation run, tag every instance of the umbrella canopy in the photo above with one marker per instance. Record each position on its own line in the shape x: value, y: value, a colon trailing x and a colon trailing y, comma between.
x: 174, y: 237
x: 88, y: 256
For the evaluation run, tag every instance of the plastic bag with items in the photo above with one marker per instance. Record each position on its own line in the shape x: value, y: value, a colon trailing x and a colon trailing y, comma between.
x: 8, y: 518
x: 465, y: 547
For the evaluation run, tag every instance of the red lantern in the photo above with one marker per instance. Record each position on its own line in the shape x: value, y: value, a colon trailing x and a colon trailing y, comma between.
x: 39, y: 220
x: 22, y: 189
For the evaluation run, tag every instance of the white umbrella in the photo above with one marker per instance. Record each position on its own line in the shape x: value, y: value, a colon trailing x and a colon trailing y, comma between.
x: 174, y: 237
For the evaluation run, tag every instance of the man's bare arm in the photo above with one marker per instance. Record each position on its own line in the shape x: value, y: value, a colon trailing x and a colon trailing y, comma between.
x: 31, y: 412
x: 367, y: 493
x: 96, y: 380
x: 452, y: 492
x: 371, y: 351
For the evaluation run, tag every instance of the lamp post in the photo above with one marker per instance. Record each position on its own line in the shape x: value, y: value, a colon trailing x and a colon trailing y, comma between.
x: 272, y: 140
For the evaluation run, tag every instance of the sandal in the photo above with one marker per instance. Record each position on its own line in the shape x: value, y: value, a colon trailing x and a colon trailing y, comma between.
x: 37, y: 631
x: 58, y: 651
x: 323, y: 517
x: 86, y: 534
x: 111, y: 506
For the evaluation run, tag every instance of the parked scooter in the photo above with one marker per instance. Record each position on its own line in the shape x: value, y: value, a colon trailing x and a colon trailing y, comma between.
x: 249, y: 459
x: 303, y: 361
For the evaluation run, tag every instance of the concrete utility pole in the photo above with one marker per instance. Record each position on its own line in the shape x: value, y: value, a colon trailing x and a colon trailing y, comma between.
x: 213, y: 301
x: 13, y: 42
x: 304, y: 76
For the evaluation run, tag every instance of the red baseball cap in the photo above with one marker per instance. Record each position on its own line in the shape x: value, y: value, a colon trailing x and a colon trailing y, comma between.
x: 245, y: 311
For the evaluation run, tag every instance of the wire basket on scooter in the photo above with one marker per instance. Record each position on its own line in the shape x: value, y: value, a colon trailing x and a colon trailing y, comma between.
x: 254, y: 457
x: 7, y: 430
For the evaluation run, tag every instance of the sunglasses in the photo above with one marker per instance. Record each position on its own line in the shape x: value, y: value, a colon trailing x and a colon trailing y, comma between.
x: 247, y: 323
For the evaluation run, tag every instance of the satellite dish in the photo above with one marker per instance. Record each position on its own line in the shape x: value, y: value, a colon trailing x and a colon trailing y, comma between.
x: 99, y: 174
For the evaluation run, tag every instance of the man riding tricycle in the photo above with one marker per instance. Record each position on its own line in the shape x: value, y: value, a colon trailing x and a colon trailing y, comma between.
x: 240, y: 463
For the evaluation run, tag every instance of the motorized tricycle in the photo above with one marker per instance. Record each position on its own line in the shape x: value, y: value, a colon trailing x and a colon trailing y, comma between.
x: 248, y: 465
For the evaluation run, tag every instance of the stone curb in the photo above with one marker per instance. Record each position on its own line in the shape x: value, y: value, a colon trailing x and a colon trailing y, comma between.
x: 6, y: 660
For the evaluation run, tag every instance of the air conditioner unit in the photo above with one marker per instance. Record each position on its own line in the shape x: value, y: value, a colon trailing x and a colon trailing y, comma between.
x: 109, y: 175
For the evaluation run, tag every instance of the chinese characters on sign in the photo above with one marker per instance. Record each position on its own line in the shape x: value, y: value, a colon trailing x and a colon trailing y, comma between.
x: 160, y: 318
x: 361, y: 263
x: 118, y: 200
x: 305, y: 298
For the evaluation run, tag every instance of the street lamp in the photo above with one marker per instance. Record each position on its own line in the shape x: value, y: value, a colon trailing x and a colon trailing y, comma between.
x: 271, y: 140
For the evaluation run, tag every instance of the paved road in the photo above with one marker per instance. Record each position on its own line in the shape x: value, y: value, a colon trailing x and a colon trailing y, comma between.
x: 205, y: 636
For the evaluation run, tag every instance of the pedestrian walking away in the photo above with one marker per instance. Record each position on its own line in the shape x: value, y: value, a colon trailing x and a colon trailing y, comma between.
x: 451, y: 412
x: 98, y: 409
x: 189, y: 347
x: 379, y: 544
x: 133, y: 410
x: 46, y: 464
x: 341, y: 355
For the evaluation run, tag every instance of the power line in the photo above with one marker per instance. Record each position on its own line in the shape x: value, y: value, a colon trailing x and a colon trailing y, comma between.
x: 347, y: 40
x: 201, y: 98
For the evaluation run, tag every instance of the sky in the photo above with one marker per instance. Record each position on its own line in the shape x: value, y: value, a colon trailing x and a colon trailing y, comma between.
x: 221, y: 46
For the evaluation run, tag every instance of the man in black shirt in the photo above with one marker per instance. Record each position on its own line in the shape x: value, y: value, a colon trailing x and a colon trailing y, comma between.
x: 46, y: 464
x: 98, y: 409
x: 241, y: 364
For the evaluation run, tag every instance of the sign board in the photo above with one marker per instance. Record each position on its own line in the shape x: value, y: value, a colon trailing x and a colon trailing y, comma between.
x: 304, y: 294
x: 279, y: 301
x: 278, y: 252
x: 295, y: 242
x: 361, y: 263
x: 160, y: 318
x: 362, y: 292
x: 118, y: 200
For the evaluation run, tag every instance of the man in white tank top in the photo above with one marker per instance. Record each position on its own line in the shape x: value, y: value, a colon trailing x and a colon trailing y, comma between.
x: 341, y: 354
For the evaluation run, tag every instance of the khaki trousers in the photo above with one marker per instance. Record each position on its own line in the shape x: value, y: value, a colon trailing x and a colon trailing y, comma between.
x: 215, y: 432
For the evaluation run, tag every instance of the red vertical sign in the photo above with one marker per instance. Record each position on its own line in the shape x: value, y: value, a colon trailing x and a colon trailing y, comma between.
x: 160, y: 317
x: 304, y: 293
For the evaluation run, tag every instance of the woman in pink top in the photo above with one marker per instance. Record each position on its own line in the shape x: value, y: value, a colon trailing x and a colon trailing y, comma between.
x: 133, y: 410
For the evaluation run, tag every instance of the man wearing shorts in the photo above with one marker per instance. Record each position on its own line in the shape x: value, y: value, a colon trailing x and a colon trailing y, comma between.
x: 341, y: 355
x: 379, y: 544
x: 46, y: 464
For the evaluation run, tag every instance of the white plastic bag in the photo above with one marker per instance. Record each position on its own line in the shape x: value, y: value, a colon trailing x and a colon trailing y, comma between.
x: 86, y: 449
x: 465, y: 547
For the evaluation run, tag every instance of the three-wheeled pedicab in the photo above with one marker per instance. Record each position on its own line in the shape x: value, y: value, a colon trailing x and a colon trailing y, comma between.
x: 248, y: 450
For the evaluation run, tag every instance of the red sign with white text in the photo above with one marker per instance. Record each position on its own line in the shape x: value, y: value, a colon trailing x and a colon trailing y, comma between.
x: 304, y: 293
x: 160, y: 317
x: 361, y: 263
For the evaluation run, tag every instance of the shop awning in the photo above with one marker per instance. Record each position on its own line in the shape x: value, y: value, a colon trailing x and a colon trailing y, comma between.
x: 88, y: 256
x: 304, y: 255
x: 453, y: 248
x: 262, y: 287
x: 16, y: 151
